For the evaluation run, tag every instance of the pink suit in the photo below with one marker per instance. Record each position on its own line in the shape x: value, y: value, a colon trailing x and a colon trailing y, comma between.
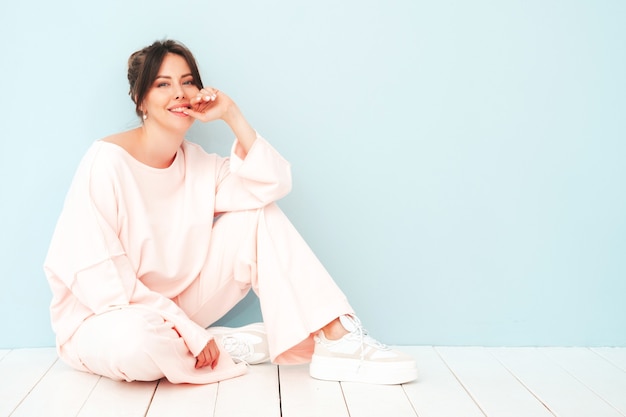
x: 138, y: 267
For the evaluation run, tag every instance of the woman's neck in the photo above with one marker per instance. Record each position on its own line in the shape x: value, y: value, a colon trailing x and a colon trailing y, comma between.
x: 157, y: 147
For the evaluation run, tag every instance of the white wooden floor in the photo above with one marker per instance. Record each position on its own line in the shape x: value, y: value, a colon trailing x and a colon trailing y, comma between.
x: 454, y: 382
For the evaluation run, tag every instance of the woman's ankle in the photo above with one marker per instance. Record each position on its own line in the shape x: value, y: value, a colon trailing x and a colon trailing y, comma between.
x: 334, y: 330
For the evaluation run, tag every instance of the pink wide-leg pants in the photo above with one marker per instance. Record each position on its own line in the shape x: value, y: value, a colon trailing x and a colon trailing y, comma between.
x: 258, y: 249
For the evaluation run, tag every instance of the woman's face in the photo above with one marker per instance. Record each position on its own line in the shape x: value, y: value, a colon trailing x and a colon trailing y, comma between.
x: 169, y: 95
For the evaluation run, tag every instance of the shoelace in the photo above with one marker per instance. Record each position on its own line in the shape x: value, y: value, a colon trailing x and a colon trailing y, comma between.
x: 237, y: 348
x: 364, y: 337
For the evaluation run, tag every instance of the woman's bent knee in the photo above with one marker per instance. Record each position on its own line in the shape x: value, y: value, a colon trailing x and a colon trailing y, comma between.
x: 119, y: 344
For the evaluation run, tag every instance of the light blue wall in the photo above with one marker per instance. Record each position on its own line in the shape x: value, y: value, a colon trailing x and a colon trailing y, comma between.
x: 459, y: 166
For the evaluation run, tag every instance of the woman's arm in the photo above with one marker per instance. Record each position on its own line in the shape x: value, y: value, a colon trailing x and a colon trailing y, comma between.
x: 211, y: 104
x: 263, y: 177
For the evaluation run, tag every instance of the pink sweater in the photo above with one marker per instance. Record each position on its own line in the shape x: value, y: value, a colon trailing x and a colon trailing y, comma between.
x: 133, y: 234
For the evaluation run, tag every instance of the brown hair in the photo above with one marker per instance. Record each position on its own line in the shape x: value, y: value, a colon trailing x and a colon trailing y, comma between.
x: 143, y: 68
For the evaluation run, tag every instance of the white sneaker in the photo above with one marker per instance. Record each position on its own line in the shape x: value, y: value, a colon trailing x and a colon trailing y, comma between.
x: 244, y: 344
x: 357, y: 357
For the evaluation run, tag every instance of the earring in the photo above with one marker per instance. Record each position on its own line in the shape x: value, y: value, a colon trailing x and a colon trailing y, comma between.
x: 145, y: 116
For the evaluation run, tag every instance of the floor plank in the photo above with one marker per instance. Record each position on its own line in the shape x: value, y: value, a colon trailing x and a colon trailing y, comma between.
x: 368, y: 400
x: 183, y: 400
x: 118, y: 399
x: 437, y: 392
x: 602, y: 377
x: 495, y: 390
x: 560, y: 391
x: 303, y: 396
x: 615, y: 355
x: 254, y: 394
x: 60, y: 393
x: 20, y: 370
x: 454, y: 381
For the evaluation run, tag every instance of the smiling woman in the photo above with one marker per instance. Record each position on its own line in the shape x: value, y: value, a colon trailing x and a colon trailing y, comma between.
x: 159, y: 239
x: 144, y: 68
x: 167, y: 89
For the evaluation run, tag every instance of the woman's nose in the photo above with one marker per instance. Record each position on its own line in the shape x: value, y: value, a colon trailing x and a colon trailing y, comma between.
x: 179, y: 93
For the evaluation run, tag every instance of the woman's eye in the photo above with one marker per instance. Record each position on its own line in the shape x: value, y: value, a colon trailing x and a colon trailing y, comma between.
x: 188, y: 82
x: 162, y: 85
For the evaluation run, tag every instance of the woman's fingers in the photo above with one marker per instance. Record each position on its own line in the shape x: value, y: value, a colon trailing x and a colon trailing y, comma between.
x: 214, y: 353
x: 201, y: 360
x: 205, y: 95
x: 205, y: 105
x: 209, y: 355
x: 194, y: 114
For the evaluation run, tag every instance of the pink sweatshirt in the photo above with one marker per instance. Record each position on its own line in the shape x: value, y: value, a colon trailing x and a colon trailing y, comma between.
x: 133, y: 234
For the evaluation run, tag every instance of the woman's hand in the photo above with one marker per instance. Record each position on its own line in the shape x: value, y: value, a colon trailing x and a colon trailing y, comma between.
x: 209, y: 355
x: 210, y: 104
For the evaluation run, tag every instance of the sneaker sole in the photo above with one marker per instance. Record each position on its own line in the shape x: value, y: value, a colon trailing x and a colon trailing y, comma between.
x: 355, y: 370
x: 255, y: 328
